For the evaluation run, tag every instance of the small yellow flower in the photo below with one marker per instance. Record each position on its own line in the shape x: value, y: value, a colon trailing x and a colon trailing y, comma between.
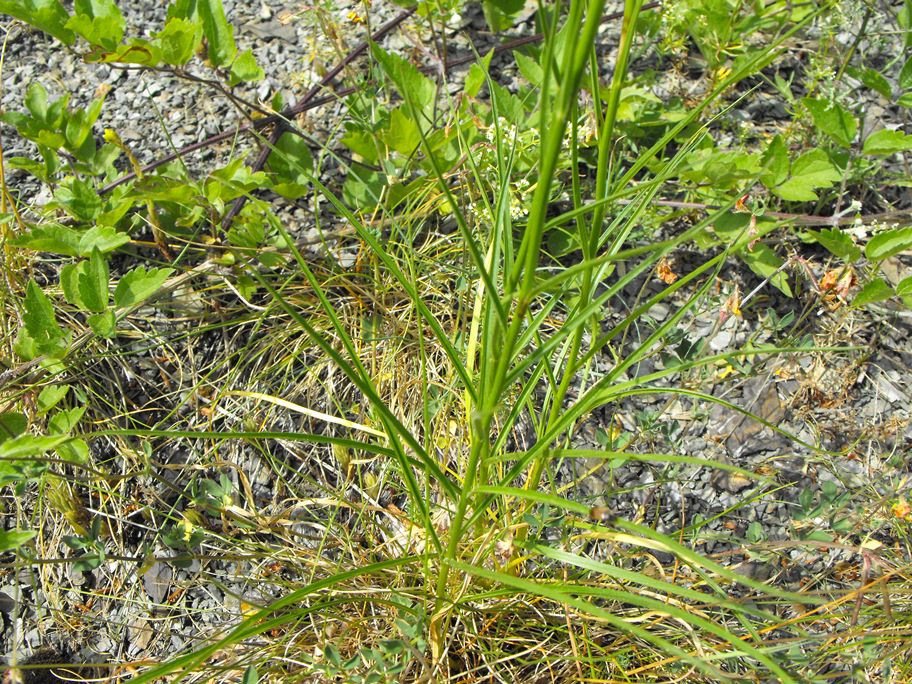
x: 355, y: 18
x: 902, y: 510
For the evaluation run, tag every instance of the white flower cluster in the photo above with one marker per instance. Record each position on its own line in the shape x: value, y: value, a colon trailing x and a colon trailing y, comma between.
x: 518, y: 195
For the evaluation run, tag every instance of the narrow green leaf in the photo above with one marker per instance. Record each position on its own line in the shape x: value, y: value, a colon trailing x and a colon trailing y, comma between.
x: 876, y: 290
x: 477, y: 75
x: 888, y: 243
x: 139, y: 284
x: 245, y: 69
x: 837, y: 242
x: 905, y: 75
x: 887, y: 142
x: 218, y: 31
x: 251, y: 676
x: 13, y: 539
x: 46, y: 15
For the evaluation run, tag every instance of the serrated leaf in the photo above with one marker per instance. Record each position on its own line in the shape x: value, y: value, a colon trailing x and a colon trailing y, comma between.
x: 13, y: 539
x: 79, y: 198
x: 877, y: 82
x: 876, y: 290
x: 62, y: 422
x: 93, y: 282
x: 413, y: 86
x: 12, y: 424
x: 50, y: 396
x: 837, y: 242
x: 39, y: 319
x: 139, y: 284
x: 402, y: 135
x: 887, y: 142
x: 69, y: 283
x: 103, y: 238
x: 811, y: 171
x: 103, y: 324
x: 99, y: 22
x: 46, y: 15
x: 52, y: 238
x: 245, y: 69
x: 219, y: 33
x: 27, y: 446
x: 508, y: 106
x: 888, y: 243
x: 529, y: 68
x: 178, y: 40
x: 833, y: 120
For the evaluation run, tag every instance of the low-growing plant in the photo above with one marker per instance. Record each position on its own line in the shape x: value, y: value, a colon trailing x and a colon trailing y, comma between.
x: 461, y: 554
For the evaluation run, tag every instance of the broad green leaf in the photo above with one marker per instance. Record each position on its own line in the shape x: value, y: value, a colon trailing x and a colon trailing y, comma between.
x: 139, y: 284
x: 245, y: 69
x: 402, y: 135
x: 500, y: 14
x: 877, y: 82
x: 12, y: 424
x: 103, y: 324
x: 219, y: 33
x: 27, y: 446
x: 876, y: 290
x: 415, y: 88
x: 887, y: 142
x: 765, y: 263
x: 36, y: 101
x: 52, y: 238
x: 529, y: 68
x: 905, y: 75
x: 905, y: 100
x: 888, y: 243
x: 508, y: 106
x: 46, y: 15
x: 837, y: 242
x: 13, y: 539
x: 103, y: 238
x: 178, y: 40
x: 75, y: 450
x: 78, y: 198
x: 39, y: 319
x: 833, y: 120
x: 135, y: 51
x: 50, y: 396
x: 811, y: 171
x: 69, y: 283
x: 99, y: 22
x: 904, y: 287
x: 93, y: 282
x: 775, y: 163
x: 291, y: 159
x: 251, y: 676
x: 62, y: 422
